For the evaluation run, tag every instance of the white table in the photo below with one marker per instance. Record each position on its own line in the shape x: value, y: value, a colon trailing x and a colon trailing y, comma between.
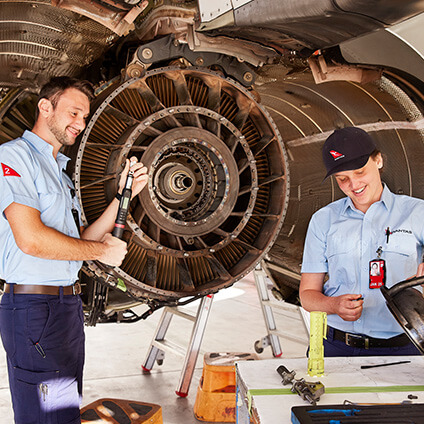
x: 390, y: 384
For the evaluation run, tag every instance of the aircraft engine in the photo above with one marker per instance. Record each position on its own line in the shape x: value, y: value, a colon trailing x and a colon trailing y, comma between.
x: 218, y: 180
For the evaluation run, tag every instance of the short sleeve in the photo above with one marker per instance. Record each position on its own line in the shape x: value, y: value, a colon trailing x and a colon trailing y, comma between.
x: 314, y: 258
x: 17, y: 177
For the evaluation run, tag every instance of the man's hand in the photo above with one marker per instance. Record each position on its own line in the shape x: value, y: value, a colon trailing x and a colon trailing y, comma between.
x: 114, y: 252
x: 348, y: 306
x: 140, y: 176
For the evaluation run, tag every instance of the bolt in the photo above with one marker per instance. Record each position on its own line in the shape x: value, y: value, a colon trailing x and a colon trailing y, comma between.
x: 199, y: 61
x: 135, y: 73
x: 147, y: 53
x: 248, y: 77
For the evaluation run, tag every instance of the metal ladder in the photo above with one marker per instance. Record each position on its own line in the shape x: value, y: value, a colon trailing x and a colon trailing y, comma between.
x: 267, y: 305
x: 159, y: 345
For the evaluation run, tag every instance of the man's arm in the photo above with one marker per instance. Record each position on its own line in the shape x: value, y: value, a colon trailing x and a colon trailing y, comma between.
x: 105, y: 223
x: 36, y: 239
x: 313, y: 299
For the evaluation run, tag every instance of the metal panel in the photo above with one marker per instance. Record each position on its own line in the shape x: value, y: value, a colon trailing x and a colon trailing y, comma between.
x: 403, y: 48
x: 239, y: 3
x: 211, y: 10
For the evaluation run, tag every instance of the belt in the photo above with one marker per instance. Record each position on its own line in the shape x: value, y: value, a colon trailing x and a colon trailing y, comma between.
x: 365, y: 342
x: 39, y: 289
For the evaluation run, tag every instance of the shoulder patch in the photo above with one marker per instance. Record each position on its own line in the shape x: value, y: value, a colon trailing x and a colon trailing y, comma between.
x: 8, y: 171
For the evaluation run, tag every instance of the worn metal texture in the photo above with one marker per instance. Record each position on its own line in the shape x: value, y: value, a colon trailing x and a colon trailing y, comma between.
x: 38, y: 40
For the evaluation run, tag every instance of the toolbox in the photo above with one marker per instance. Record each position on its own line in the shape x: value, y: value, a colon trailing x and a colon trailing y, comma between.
x: 363, y: 414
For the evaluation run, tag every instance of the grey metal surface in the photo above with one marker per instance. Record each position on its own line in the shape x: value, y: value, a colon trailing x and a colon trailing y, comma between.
x: 403, y: 48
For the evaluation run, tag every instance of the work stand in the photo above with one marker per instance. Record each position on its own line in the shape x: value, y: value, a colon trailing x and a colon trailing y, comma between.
x: 263, y: 283
x: 159, y: 345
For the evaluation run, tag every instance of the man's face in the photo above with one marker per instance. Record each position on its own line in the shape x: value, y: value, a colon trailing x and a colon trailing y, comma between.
x: 67, y: 119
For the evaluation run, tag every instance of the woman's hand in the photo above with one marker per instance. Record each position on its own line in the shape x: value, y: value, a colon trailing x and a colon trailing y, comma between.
x: 349, y: 306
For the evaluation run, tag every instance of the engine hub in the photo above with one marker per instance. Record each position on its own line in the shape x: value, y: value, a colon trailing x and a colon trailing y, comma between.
x: 189, y: 191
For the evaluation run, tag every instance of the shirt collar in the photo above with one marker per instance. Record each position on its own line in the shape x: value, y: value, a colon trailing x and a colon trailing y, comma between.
x: 45, y: 148
x: 386, y: 199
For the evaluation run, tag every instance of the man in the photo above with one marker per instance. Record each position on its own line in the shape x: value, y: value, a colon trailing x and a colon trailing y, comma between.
x: 347, y: 237
x: 41, y: 318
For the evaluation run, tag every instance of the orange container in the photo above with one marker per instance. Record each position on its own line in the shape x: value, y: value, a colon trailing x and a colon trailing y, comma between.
x: 216, y: 395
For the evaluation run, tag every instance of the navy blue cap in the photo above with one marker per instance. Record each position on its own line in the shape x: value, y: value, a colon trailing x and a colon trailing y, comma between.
x: 347, y: 149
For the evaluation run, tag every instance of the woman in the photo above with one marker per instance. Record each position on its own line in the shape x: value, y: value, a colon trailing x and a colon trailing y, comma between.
x: 345, y: 238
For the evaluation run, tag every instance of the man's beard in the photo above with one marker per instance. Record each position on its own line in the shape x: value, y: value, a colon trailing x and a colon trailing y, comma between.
x: 61, y: 135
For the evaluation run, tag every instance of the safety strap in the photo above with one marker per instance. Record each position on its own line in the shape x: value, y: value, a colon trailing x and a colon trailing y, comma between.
x: 75, y: 213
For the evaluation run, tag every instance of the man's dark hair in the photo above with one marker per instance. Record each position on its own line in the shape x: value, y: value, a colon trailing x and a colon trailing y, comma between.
x: 57, y: 85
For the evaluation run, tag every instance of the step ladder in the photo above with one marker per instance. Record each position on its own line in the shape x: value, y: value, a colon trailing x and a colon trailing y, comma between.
x: 263, y: 283
x: 159, y: 345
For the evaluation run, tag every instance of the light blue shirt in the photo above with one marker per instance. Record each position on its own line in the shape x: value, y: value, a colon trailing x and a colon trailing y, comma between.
x: 30, y: 176
x: 341, y: 241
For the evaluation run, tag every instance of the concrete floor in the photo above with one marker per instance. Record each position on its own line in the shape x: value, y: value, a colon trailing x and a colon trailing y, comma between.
x: 115, y: 352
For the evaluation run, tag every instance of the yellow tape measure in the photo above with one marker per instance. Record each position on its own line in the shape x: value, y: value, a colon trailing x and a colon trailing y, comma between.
x: 318, y: 331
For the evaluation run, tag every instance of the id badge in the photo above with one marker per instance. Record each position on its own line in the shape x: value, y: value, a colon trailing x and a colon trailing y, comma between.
x: 377, y: 273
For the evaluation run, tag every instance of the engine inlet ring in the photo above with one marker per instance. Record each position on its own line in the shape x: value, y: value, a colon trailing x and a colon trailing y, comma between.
x: 215, y: 161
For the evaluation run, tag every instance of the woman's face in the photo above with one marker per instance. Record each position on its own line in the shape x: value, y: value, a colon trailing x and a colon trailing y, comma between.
x: 362, y: 185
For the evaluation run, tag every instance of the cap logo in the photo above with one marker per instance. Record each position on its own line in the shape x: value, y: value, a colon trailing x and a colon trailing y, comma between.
x: 336, y: 155
x: 8, y: 171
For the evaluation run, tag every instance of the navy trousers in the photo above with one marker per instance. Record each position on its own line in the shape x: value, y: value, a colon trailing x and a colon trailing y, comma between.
x: 43, y: 336
x: 338, y: 348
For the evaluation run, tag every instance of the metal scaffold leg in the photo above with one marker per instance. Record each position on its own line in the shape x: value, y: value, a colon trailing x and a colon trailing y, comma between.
x: 272, y: 337
x: 159, y: 345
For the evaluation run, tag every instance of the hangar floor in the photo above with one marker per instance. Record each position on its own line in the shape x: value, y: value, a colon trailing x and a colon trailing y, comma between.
x: 115, y: 352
